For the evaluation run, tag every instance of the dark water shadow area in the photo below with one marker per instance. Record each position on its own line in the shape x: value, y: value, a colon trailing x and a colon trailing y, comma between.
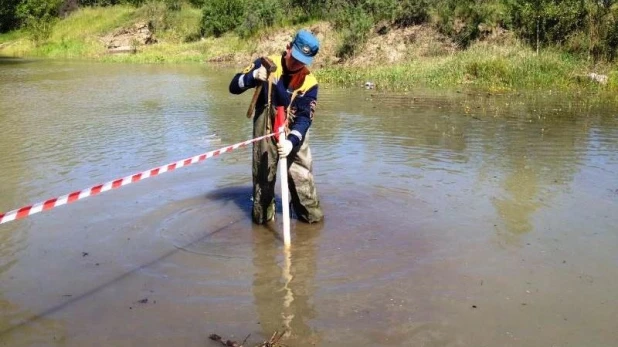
x: 5, y: 60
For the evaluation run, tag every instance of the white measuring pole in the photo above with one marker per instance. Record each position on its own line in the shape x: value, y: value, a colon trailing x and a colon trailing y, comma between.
x: 288, y: 298
x: 285, y: 198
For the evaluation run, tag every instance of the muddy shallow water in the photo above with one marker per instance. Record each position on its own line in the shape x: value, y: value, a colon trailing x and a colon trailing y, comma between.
x: 452, y: 218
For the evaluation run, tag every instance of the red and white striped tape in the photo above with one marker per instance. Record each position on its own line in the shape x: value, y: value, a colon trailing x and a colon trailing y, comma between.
x: 78, y: 195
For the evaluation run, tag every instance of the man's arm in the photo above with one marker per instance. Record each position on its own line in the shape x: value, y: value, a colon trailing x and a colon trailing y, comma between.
x: 305, y: 108
x: 245, y: 80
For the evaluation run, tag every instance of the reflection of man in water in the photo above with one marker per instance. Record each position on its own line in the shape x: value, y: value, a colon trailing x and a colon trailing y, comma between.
x: 283, y: 293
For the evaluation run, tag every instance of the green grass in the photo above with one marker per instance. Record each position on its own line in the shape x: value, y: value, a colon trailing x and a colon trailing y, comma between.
x: 170, y: 26
x: 79, y: 35
x: 199, y: 51
x: 10, y: 41
x: 91, y: 21
x: 492, y: 68
x: 10, y: 36
x: 74, y: 37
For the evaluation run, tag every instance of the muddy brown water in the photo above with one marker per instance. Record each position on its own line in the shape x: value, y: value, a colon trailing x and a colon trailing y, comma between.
x: 452, y: 218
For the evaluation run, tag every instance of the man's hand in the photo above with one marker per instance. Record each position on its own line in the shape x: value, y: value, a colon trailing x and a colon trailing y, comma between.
x: 260, y: 74
x: 284, y: 148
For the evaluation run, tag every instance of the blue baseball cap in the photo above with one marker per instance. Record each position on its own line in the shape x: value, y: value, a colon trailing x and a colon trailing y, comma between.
x: 305, y: 46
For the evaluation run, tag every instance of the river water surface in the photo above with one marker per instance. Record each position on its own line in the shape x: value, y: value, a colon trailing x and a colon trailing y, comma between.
x: 452, y: 218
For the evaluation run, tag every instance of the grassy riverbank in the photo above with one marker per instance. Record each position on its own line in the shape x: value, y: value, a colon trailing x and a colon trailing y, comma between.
x: 491, y: 68
x: 500, y: 65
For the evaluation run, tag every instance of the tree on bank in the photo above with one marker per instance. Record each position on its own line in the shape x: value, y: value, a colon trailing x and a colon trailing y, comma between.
x: 8, y: 17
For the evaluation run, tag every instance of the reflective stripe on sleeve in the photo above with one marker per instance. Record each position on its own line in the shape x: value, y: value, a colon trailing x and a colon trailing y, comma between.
x: 297, y: 134
x: 241, y: 81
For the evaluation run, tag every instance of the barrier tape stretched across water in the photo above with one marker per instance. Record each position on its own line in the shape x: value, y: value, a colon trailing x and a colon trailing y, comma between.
x: 78, y: 195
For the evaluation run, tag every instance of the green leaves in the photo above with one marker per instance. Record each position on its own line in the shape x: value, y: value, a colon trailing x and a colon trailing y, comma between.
x: 8, y: 15
x: 38, y: 17
x: 356, y: 25
x: 241, y: 16
x: 221, y: 16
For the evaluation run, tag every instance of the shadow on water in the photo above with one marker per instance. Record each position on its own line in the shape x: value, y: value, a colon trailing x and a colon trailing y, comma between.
x: 240, y: 196
x: 237, y: 195
x: 14, y: 61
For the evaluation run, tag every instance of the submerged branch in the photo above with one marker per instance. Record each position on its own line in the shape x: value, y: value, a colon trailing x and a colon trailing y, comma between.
x: 274, y: 341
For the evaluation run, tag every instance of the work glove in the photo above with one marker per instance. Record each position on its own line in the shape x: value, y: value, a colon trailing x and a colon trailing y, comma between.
x: 284, y: 148
x: 260, y: 74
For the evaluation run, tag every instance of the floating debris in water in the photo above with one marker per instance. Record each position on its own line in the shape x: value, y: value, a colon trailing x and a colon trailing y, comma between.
x: 274, y: 341
x: 211, y: 139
